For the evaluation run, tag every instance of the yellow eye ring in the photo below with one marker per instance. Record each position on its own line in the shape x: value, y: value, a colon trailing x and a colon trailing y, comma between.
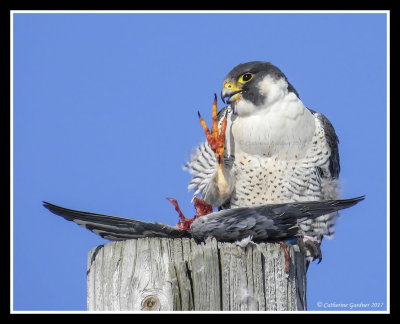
x: 245, y: 77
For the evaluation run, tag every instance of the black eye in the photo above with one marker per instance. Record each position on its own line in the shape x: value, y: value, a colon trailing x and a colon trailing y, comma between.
x: 245, y: 77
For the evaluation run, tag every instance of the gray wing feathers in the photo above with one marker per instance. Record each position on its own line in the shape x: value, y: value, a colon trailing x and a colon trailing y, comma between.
x: 264, y: 223
x: 116, y: 228
x: 333, y: 141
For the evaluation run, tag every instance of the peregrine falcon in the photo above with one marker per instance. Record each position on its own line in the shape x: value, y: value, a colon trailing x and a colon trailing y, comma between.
x: 269, y: 164
x: 276, y: 150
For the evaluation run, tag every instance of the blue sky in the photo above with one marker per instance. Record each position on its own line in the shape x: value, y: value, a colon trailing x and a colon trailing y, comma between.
x: 105, y: 115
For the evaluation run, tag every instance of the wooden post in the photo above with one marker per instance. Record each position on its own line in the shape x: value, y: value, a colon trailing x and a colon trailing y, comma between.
x: 163, y: 274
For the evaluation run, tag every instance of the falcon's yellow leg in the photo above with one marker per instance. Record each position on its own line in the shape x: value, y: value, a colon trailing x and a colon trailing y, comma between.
x: 216, y: 140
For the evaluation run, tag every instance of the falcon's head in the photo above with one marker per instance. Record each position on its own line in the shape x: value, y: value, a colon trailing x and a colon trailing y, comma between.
x: 254, y: 85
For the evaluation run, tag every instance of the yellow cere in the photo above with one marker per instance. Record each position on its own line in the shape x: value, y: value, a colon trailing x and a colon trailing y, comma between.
x: 231, y: 86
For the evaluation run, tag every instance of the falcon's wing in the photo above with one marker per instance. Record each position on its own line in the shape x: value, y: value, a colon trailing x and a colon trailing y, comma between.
x: 272, y: 222
x: 116, y: 228
x: 332, y: 141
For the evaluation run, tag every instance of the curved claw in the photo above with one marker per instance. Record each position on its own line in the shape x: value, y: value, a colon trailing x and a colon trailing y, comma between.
x: 310, y: 247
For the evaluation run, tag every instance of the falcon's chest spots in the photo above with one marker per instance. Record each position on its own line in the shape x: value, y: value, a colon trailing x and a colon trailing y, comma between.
x: 273, y: 179
x: 261, y: 180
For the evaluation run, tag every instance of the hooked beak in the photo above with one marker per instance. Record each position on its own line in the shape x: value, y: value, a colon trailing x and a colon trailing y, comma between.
x: 230, y: 91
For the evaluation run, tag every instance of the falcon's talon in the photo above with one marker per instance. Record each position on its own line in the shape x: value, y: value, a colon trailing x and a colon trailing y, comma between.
x: 310, y: 245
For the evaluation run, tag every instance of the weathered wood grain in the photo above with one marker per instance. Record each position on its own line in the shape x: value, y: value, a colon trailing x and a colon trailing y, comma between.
x: 177, y: 274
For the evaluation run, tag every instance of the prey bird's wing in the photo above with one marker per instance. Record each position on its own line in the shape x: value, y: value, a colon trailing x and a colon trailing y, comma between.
x: 116, y: 228
x: 273, y: 222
